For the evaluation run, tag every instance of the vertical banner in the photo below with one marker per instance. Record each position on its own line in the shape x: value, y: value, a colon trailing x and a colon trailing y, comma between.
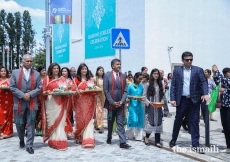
x: 100, y: 17
x: 61, y: 12
x: 61, y: 41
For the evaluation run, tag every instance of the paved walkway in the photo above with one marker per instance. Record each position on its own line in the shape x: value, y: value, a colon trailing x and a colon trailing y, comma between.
x: 217, y: 139
x: 10, y: 151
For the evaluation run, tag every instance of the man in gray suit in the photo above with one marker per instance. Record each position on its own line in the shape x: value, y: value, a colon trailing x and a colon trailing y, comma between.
x: 114, y: 85
x: 25, y: 84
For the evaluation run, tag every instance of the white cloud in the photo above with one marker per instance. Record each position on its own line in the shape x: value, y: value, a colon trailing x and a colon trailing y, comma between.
x: 12, y: 6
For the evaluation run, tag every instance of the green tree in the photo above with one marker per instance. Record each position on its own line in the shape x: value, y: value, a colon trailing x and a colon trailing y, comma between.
x: 10, y: 27
x: 40, y: 57
x: 2, y: 32
x: 28, y: 32
x: 18, y: 30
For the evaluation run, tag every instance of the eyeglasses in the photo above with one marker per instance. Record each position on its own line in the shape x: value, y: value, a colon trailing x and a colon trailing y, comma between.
x: 29, y: 61
x: 187, y: 60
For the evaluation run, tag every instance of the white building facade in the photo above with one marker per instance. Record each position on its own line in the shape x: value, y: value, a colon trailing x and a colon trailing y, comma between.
x: 199, y: 26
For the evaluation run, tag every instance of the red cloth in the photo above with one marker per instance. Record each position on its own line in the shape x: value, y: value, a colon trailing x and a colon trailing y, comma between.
x: 6, y: 110
x: 84, y: 105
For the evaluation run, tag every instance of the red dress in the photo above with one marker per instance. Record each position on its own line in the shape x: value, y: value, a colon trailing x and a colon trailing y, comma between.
x: 6, y: 110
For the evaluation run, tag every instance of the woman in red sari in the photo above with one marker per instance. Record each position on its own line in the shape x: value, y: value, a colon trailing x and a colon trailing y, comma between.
x: 84, y: 105
x: 6, y: 105
x: 54, y: 109
x: 68, y: 128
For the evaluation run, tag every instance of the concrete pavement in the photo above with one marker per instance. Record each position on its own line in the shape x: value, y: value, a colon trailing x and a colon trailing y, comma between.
x: 10, y: 151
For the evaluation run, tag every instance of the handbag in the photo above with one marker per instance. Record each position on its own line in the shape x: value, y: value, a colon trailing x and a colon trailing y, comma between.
x: 219, y: 99
x: 214, y: 97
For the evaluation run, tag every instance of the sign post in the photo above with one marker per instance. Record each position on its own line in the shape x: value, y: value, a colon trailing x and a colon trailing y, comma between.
x: 120, y: 39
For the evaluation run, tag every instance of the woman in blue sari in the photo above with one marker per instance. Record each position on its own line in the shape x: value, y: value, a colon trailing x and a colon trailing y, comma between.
x: 136, y: 109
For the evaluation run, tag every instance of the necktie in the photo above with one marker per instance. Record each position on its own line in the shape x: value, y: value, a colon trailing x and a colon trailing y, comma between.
x: 117, y: 78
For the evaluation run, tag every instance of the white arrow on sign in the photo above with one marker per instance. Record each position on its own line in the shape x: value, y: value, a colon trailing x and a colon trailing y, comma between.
x: 120, y: 41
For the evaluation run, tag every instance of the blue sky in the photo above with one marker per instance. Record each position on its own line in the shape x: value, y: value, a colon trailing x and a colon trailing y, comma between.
x: 36, y: 9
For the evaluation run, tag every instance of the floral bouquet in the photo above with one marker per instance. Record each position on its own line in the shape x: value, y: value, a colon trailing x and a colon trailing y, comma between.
x: 62, y: 87
x: 90, y: 85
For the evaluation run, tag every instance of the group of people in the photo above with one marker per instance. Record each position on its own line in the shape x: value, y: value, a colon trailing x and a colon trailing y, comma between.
x: 45, y: 101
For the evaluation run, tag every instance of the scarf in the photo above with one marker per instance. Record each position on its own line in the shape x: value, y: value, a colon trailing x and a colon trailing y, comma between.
x: 32, y: 86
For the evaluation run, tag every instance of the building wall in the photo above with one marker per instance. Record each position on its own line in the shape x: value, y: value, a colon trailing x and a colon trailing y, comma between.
x: 199, y: 26
x: 133, y: 19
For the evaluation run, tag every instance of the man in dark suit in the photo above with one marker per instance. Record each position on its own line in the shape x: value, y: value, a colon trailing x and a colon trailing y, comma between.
x: 114, y: 85
x: 188, y: 88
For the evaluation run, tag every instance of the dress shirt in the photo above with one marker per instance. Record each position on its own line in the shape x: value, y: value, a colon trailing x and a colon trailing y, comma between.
x: 26, y: 73
x: 115, y: 75
x: 186, y: 83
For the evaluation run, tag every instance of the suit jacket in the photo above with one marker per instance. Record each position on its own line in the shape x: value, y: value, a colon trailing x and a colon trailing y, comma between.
x: 198, y: 85
x: 25, y: 88
x: 107, y: 87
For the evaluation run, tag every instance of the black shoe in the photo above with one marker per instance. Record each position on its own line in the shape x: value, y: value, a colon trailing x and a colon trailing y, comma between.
x: 147, y: 144
x: 30, y: 150
x: 222, y: 131
x: 172, y: 143
x: 101, y: 131
x: 96, y: 128
x: 198, y: 150
x: 158, y: 145
x: 22, y: 144
x: 108, y: 141
x: 125, y: 146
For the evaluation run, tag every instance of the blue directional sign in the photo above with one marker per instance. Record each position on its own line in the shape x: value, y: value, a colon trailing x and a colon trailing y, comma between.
x: 120, y: 38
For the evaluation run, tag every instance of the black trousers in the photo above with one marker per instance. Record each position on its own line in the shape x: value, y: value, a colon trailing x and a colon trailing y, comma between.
x: 157, y: 137
x: 225, y: 120
x: 194, y: 111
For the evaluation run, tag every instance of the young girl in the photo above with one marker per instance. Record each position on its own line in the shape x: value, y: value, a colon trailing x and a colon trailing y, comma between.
x: 136, y: 109
x: 153, y: 93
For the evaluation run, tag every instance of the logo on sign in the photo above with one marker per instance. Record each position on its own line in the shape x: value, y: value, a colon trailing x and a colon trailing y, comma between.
x: 60, y: 32
x: 120, y: 41
x: 54, y: 10
x: 98, y: 13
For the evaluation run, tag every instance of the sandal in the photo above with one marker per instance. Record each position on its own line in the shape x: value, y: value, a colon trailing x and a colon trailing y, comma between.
x: 114, y: 133
x: 158, y: 145
x: 146, y: 143
x: 101, y: 131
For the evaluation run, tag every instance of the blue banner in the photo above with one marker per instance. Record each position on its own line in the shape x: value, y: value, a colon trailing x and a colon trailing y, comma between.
x: 100, y: 17
x: 61, y: 41
x: 61, y: 12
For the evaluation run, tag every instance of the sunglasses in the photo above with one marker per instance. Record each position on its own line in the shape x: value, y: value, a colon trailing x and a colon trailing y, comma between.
x: 187, y: 60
